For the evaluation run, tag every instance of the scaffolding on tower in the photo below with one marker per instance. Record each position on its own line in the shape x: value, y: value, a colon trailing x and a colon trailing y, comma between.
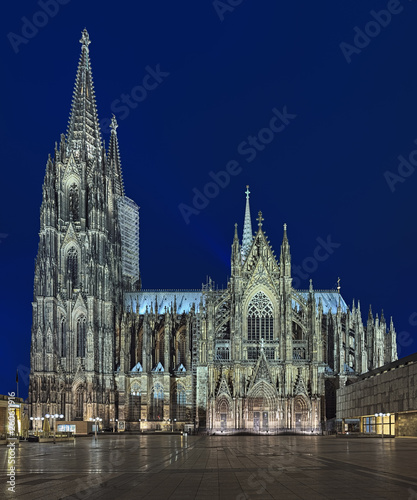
x: 129, y: 228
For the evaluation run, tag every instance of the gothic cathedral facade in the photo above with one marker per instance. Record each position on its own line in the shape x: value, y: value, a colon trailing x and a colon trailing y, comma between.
x: 258, y: 356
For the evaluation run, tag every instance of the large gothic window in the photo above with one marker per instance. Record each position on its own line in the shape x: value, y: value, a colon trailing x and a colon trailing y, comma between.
x: 81, y: 336
x: 72, y: 266
x: 260, y: 318
x: 73, y: 202
x: 63, y: 337
x: 179, y: 403
x: 157, y: 403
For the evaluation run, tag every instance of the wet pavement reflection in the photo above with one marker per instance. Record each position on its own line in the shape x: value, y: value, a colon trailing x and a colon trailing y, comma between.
x: 238, y: 467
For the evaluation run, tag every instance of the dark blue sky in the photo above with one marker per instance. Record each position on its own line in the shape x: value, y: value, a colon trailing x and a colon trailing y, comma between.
x: 220, y: 79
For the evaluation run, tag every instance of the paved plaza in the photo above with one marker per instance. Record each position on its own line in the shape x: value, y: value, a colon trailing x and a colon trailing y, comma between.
x: 236, y: 467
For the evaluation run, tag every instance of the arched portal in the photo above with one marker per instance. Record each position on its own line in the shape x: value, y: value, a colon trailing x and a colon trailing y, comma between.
x: 262, y: 407
x: 223, y: 411
x: 300, y: 414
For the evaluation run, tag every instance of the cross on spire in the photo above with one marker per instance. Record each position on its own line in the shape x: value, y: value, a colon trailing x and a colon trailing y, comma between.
x: 260, y: 218
x: 113, y: 124
x: 247, y: 192
x: 85, y: 39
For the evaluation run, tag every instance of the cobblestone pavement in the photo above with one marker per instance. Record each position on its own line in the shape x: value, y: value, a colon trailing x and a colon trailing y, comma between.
x: 235, y: 467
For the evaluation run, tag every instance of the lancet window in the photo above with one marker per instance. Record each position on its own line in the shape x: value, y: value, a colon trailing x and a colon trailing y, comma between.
x: 79, y: 403
x: 63, y: 337
x: 72, y: 266
x: 81, y: 336
x: 73, y: 202
x: 179, y: 403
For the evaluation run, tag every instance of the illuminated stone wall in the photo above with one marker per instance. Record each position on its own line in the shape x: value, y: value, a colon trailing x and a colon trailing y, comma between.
x: 390, y: 389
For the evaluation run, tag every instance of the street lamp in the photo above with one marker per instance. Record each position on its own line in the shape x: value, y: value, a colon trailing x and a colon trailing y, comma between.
x: 96, y: 420
x: 54, y: 417
x: 36, y: 420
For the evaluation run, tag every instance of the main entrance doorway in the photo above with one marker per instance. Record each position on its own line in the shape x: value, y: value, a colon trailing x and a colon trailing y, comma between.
x: 223, y: 419
x: 262, y: 407
x: 260, y: 421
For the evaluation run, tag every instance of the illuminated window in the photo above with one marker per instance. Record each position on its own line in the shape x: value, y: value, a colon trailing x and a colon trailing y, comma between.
x: 260, y: 318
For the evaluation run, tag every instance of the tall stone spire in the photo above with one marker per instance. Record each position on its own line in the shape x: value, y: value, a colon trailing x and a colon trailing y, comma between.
x: 285, y: 258
x: 83, y: 133
x: 247, y: 229
x: 113, y: 159
x: 236, y: 253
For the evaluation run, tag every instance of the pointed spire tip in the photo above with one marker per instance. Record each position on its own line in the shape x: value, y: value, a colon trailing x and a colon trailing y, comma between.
x: 113, y: 124
x: 85, y: 38
x: 260, y: 219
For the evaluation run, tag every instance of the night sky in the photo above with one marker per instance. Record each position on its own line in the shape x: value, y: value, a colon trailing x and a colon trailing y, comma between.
x: 330, y: 169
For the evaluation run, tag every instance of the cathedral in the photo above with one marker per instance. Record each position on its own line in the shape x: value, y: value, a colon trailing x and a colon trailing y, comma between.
x: 258, y: 356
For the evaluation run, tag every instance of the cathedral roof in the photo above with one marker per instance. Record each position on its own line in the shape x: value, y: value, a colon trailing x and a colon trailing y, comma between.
x: 184, y: 299
x: 329, y: 299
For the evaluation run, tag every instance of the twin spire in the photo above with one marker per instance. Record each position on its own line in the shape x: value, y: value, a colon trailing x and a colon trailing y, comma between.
x: 247, y: 237
x: 113, y: 158
x: 83, y: 133
x: 247, y: 229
